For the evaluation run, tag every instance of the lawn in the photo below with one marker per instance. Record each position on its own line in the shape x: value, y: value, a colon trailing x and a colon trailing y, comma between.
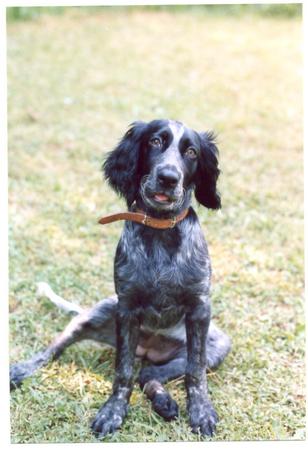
x: 75, y: 82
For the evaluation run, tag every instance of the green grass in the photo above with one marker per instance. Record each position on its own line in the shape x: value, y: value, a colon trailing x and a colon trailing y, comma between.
x: 75, y: 82
x: 265, y: 10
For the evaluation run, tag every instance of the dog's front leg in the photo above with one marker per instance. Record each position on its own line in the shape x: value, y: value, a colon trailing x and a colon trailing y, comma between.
x: 111, y: 415
x: 202, y: 415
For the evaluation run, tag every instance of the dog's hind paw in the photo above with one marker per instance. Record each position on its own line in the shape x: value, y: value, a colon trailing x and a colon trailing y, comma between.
x: 18, y: 372
x: 164, y: 405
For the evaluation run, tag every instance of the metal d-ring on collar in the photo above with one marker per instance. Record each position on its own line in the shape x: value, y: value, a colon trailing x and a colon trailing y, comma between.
x: 172, y: 225
x: 173, y: 222
x: 144, y: 222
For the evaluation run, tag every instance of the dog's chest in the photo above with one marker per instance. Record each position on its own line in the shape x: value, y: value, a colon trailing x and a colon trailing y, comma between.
x: 160, y: 271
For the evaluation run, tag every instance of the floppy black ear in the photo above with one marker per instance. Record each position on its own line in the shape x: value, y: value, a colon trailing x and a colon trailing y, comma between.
x: 121, y: 168
x: 207, y: 173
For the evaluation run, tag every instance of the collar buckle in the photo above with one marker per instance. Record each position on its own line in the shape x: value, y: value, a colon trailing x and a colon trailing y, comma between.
x: 145, y: 219
x: 173, y: 222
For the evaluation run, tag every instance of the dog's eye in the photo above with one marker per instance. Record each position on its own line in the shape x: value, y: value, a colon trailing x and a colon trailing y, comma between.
x: 156, y: 142
x: 191, y: 153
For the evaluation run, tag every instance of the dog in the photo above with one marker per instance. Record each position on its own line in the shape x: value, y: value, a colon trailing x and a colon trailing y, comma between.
x: 161, y: 312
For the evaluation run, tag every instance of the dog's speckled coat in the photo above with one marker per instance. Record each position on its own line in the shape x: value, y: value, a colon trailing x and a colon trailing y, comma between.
x: 162, y: 279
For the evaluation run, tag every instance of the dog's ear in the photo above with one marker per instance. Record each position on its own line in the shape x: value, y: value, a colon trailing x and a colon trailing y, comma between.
x: 121, y: 168
x: 207, y: 173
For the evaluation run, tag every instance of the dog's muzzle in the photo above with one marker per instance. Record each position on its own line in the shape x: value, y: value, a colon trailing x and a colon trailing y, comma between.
x: 163, y: 187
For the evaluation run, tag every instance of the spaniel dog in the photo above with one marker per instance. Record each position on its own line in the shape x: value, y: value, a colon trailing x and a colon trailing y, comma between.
x: 161, y: 312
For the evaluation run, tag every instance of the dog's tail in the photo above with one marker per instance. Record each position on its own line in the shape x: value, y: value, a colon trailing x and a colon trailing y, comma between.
x: 44, y: 290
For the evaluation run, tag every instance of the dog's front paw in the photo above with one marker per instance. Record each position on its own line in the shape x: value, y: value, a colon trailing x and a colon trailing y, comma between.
x: 202, y: 416
x: 109, y: 417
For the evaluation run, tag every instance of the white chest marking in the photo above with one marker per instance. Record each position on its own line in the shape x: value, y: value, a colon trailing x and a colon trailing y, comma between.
x: 178, y: 331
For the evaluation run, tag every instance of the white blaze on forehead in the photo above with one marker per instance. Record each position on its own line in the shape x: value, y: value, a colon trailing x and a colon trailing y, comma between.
x: 177, y: 130
x: 171, y: 156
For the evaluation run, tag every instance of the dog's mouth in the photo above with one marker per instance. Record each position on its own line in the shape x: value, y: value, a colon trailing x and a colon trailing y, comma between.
x: 163, y: 201
x: 160, y: 197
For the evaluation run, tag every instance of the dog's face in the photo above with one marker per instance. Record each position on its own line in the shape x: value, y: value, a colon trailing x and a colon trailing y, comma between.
x: 161, y: 162
x: 169, y: 162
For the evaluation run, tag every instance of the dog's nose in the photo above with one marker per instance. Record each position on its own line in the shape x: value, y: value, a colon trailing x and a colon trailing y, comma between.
x: 168, y: 177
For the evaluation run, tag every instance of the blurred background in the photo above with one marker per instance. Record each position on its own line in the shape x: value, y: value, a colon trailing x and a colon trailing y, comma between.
x: 77, y: 77
x: 266, y: 10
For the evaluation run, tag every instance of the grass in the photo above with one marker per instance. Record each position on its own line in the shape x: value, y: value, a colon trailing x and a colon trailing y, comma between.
x: 75, y: 82
x: 265, y: 9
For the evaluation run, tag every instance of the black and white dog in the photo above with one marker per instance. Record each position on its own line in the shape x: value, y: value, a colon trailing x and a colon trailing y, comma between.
x: 162, y: 311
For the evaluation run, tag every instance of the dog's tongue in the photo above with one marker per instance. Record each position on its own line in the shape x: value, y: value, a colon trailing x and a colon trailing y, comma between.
x: 161, y: 197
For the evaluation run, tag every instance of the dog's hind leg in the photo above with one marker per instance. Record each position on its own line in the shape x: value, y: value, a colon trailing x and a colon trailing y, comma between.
x: 151, y: 379
x: 218, y: 345
x: 96, y: 324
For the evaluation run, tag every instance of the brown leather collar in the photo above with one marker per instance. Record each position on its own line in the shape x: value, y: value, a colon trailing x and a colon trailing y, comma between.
x: 142, y: 217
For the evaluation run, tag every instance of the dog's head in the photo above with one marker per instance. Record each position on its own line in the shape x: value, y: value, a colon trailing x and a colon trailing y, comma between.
x: 161, y: 162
